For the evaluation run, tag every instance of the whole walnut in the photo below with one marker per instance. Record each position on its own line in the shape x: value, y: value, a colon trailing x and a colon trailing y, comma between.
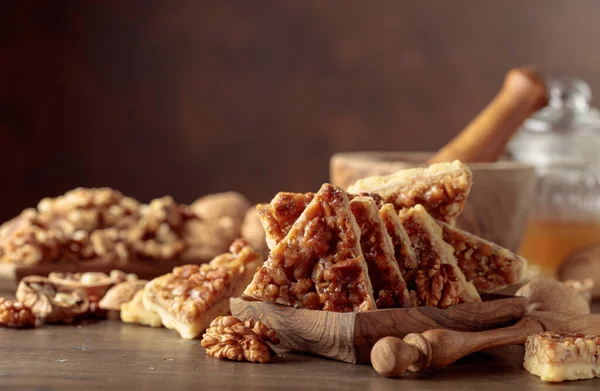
x: 546, y: 294
x: 215, y: 206
x: 254, y: 233
x: 120, y: 294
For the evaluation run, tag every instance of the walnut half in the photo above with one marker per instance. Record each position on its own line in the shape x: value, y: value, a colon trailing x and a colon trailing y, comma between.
x: 438, y: 286
x: 228, y: 337
x: 15, y: 314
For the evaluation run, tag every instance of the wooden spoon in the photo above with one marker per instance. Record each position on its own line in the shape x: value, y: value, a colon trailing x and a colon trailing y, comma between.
x: 484, y: 139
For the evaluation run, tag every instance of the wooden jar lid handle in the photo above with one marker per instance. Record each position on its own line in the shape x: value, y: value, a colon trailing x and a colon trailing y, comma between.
x: 484, y: 139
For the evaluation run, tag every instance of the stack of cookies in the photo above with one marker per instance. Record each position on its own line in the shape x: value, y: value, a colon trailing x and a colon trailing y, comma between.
x: 387, y: 242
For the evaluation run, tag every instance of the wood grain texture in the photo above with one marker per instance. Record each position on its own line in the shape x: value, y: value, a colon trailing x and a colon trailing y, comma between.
x: 186, y: 98
x: 323, y: 333
x: 349, y: 337
x: 550, y: 321
x: 497, y: 208
x: 114, y: 356
x: 484, y: 139
x: 439, y: 348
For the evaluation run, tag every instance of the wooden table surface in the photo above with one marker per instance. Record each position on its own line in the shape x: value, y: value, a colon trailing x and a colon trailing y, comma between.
x: 116, y: 356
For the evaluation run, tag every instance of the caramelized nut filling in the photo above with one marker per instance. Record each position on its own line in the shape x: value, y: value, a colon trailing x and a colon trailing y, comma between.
x: 184, y: 298
x: 319, y: 264
x: 441, y: 188
x: 488, y: 266
x: 431, y: 250
x: 388, y: 284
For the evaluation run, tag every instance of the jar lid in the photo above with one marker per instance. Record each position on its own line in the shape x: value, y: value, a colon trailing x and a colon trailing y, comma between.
x: 568, y: 110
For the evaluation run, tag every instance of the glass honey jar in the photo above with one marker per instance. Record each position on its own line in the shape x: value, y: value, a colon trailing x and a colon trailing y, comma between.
x: 563, y: 142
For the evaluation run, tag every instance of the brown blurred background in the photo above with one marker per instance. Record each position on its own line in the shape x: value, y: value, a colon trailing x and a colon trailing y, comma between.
x: 191, y: 97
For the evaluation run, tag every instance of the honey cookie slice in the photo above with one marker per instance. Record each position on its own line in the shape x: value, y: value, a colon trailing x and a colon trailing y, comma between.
x: 319, y: 265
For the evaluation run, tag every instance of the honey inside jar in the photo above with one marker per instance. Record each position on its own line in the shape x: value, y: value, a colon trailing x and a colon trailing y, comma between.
x: 562, y: 141
x: 547, y: 243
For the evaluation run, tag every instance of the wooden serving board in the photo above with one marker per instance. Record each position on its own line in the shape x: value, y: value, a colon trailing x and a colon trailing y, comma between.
x: 349, y: 337
x: 10, y: 275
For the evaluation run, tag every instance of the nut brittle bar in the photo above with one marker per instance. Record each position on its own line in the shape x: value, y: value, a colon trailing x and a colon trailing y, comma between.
x: 556, y: 357
x: 441, y: 188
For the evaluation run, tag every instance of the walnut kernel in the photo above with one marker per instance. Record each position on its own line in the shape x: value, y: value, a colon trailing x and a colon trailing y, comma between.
x: 15, y: 314
x: 438, y: 286
x: 228, y: 337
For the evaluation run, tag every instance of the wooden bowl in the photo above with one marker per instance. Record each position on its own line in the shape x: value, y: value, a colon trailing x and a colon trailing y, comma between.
x: 500, y: 201
x: 349, y: 336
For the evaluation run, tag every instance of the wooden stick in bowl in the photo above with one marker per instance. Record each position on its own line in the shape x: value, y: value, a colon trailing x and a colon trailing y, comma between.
x: 485, y: 138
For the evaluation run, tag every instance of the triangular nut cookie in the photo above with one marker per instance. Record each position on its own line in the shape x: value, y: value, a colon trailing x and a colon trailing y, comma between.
x: 319, y: 264
x: 441, y: 188
x: 388, y: 284
x: 405, y: 255
x: 488, y: 266
x: 278, y: 216
x: 433, y: 252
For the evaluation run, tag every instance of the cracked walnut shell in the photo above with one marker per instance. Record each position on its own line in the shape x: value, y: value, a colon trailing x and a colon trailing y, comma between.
x: 52, y: 303
x: 228, y: 337
x: 15, y: 314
